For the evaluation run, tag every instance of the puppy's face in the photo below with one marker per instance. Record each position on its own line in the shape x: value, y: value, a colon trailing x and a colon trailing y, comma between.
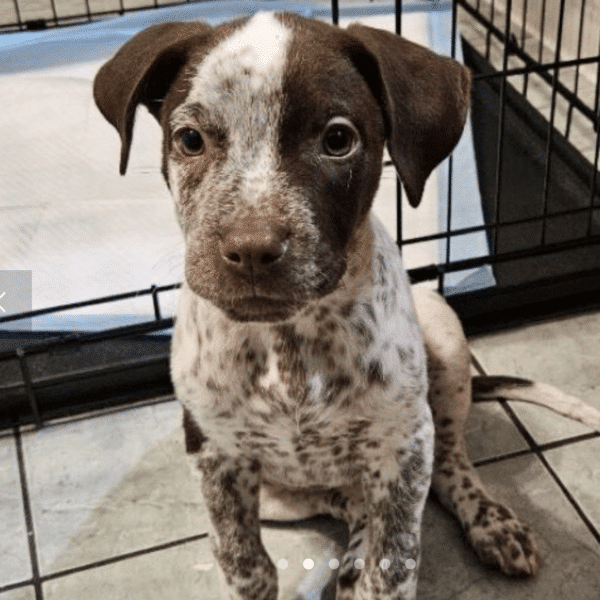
x: 273, y: 149
x: 274, y: 129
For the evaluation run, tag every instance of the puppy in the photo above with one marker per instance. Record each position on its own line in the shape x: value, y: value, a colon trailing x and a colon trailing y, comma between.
x: 309, y: 381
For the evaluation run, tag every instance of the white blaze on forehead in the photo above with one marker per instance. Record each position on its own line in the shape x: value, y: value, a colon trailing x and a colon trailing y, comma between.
x: 239, y: 84
x: 258, y: 48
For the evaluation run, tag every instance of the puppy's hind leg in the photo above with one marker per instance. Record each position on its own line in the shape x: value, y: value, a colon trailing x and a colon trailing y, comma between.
x: 497, y: 535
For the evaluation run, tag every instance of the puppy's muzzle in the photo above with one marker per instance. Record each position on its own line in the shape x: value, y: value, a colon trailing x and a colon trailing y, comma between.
x: 255, y: 257
x: 252, y: 248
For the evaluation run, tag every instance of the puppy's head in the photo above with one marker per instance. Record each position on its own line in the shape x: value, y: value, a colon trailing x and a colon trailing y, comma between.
x: 274, y: 128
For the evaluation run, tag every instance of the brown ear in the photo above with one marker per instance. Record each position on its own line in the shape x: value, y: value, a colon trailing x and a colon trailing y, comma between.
x: 425, y: 99
x: 141, y: 73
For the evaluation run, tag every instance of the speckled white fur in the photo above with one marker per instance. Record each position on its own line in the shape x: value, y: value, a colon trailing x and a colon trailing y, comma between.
x: 251, y: 61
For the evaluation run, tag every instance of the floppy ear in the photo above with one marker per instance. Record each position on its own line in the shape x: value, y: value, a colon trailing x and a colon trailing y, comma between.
x: 425, y: 100
x: 141, y: 72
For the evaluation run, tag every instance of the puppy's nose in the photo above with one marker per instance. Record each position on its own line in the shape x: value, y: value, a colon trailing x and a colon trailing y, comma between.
x: 252, y: 246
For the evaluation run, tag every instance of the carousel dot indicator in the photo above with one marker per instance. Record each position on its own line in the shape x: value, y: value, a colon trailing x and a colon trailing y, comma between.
x: 359, y: 563
x: 410, y: 563
x: 334, y: 563
x: 385, y: 563
x: 282, y: 563
x: 308, y: 563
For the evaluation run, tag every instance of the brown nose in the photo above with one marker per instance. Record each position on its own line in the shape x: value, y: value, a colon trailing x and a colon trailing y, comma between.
x: 252, y: 246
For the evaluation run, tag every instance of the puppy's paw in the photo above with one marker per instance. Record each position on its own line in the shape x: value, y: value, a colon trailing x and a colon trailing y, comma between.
x: 503, y: 541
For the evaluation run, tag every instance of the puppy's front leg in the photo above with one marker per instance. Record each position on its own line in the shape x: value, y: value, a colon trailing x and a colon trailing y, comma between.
x: 231, y: 491
x: 385, y: 529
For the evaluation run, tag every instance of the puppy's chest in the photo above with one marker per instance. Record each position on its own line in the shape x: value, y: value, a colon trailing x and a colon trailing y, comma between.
x: 312, y: 402
x: 285, y: 377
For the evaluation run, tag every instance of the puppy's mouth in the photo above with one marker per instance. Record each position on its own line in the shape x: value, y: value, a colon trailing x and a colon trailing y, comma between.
x: 256, y: 308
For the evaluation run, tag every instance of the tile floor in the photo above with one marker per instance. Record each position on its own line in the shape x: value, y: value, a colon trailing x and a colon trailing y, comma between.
x: 104, y: 507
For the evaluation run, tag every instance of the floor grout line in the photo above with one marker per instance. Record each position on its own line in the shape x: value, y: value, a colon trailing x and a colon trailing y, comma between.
x: 33, y: 555
x: 587, y: 521
x: 38, y: 579
x: 584, y: 437
x: 15, y: 586
x: 122, y: 557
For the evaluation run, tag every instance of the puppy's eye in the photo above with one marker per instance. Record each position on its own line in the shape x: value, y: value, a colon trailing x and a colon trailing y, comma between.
x: 340, y: 137
x: 189, y: 141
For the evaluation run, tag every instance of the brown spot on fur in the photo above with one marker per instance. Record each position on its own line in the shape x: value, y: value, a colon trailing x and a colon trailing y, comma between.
x: 321, y: 347
x: 322, y: 313
x: 375, y: 373
x: 194, y: 438
x: 331, y: 326
x: 370, y: 312
x: 364, y: 333
x: 446, y: 439
x: 347, y: 309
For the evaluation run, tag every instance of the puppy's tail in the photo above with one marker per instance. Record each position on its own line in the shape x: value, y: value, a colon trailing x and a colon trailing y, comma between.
x: 488, y: 387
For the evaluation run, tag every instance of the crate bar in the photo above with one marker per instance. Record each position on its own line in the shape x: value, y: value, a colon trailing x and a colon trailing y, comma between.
x: 524, y: 23
x: 28, y: 383
x: 441, y: 282
x: 593, y: 187
x: 101, y: 300
x: 88, y: 10
x: 542, y: 32
x: 550, y: 139
x: 156, y: 303
x: 399, y: 233
x: 597, y: 152
x: 335, y: 12
x: 500, y: 150
x: 523, y: 40
x: 18, y: 13
x: 597, y: 95
x: 488, y: 38
x: 54, y: 13
x: 576, y: 83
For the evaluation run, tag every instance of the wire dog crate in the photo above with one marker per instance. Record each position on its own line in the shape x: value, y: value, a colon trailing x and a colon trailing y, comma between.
x: 27, y: 15
x: 536, y: 117
x: 536, y: 136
